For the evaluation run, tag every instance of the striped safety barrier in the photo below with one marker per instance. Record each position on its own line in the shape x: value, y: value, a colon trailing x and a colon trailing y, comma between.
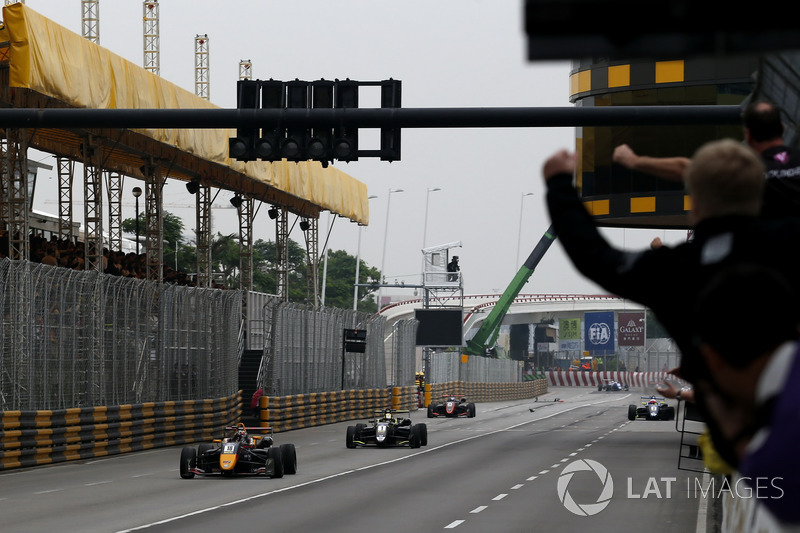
x: 285, y: 413
x: 635, y: 380
x: 31, y: 438
x: 489, y: 392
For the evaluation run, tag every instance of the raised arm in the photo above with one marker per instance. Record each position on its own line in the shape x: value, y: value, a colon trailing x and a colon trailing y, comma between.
x: 670, y: 168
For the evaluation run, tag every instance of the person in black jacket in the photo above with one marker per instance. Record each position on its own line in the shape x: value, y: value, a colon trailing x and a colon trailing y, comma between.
x: 725, y: 181
x: 763, y: 132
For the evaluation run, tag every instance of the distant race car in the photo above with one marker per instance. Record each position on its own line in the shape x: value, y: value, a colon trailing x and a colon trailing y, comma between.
x: 611, y: 385
x: 239, y: 454
x: 389, y: 428
x: 651, y: 408
x: 451, y: 407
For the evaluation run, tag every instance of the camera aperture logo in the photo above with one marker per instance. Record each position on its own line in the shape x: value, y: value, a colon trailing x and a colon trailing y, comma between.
x: 585, y: 509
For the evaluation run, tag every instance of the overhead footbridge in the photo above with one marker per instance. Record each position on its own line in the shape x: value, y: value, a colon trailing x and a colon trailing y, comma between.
x: 44, y: 65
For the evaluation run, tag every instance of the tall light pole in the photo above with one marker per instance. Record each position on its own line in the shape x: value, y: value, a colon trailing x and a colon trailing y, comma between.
x: 425, y: 224
x: 358, y: 264
x: 519, y: 230
x: 137, y: 192
x: 385, y: 235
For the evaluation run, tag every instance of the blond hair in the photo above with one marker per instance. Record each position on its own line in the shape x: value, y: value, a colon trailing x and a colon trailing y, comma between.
x: 725, y: 177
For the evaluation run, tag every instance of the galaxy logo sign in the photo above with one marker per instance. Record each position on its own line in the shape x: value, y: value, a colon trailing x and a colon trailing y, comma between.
x: 599, y: 332
x: 630, y: 329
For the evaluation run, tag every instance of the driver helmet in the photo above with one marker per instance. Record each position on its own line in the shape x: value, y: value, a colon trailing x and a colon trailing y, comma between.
x: 241, y: 434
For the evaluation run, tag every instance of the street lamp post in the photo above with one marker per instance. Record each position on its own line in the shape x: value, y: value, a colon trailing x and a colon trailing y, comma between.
x: 425, y: 225
x: 519, y: 229
x: 137, y: 192
x: 385, y: 235
x: 358, y: 264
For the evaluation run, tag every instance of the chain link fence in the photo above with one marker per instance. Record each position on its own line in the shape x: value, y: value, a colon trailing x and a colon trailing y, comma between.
x: 304, y: 351
x: 75, y: 338
x: 447, y: 366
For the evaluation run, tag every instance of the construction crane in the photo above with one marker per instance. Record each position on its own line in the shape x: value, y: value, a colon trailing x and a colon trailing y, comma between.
x: 490, y: 328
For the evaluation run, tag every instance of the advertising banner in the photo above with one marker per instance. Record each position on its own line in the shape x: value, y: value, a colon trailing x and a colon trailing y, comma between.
x: 599, y: 332
x: 569, y: 334
x: 630, y: 329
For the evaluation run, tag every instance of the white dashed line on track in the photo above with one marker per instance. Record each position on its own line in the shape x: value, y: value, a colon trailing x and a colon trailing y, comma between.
x: 454, y: 524
x: 499, y: 497
x: 479, y: 509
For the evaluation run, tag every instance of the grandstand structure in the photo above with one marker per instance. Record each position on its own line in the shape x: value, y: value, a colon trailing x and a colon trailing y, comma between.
x: 77, y: 337
x: 43, y: 65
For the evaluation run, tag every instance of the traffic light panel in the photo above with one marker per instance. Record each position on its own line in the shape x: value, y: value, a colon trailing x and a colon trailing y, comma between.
x: 242, y: 147
x: 319, y: 143
x: 320, y: 146
x: 345, y: 140
x: 390, y: 137
x: 293, y: 147
x: 268, y: 146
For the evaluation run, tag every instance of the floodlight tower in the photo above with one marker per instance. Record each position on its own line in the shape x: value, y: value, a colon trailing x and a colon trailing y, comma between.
x: 152, y: 38
x: 245, y: 69
x: 201, y: 67
x: 90, y: 17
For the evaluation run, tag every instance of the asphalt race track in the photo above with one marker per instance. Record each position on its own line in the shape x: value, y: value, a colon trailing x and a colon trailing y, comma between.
x: 496, y: 472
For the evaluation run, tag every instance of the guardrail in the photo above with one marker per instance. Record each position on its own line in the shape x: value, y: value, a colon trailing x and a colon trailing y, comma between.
x: 31, y: 438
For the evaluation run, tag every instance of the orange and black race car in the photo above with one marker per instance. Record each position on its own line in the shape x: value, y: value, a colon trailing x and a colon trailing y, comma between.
x: 239, y: 453
x: 451, y: 407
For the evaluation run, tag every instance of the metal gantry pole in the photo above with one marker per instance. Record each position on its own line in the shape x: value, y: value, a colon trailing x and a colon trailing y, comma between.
x: 203, y: 219
x: 92, y: 206
x: 66, y: 169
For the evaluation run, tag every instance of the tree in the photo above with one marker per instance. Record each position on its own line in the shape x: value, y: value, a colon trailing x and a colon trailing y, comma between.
x: 339, y: 282
x: 173, y: 236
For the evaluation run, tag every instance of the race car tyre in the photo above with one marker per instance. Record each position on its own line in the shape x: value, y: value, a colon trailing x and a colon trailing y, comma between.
x: 631, y: 412
x: 423, y: 434
x: 471, y: 408
x: 188, y: 461
x: 351, y: 437
x: 359, y: 429
x: 430, y: 411
x: 289, y: 455
x: 600, y: 387
x: 277, y: 461
x: 415, y: 440
x: 669, y: 413
x: 202, y: 449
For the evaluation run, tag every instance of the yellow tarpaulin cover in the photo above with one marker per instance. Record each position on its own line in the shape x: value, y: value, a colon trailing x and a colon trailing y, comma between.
x: 49, y: 59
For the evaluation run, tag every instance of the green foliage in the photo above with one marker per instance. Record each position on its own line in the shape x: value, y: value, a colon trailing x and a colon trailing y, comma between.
x: 339, y: 282
x: 225, y: 258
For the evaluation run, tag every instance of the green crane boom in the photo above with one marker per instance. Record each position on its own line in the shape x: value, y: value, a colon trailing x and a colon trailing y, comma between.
x: 487, y: 333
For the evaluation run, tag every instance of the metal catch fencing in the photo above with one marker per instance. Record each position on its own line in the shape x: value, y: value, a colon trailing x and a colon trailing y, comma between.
x: 73, y: 338
x: 447, y: 366
x: 304, y: 351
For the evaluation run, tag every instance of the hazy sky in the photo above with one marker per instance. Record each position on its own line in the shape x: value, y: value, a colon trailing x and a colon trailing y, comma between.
x: 448, y: 53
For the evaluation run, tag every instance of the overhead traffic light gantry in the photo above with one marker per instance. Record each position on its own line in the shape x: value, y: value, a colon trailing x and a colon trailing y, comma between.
x: 321, y: 136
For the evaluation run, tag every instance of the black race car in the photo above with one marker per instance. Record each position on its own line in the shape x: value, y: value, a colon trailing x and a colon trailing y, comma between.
x: 239, y: 454
x: 611, y: 385
x: 451, y: 407
x: 651, y: 408
x: 389, y: 428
